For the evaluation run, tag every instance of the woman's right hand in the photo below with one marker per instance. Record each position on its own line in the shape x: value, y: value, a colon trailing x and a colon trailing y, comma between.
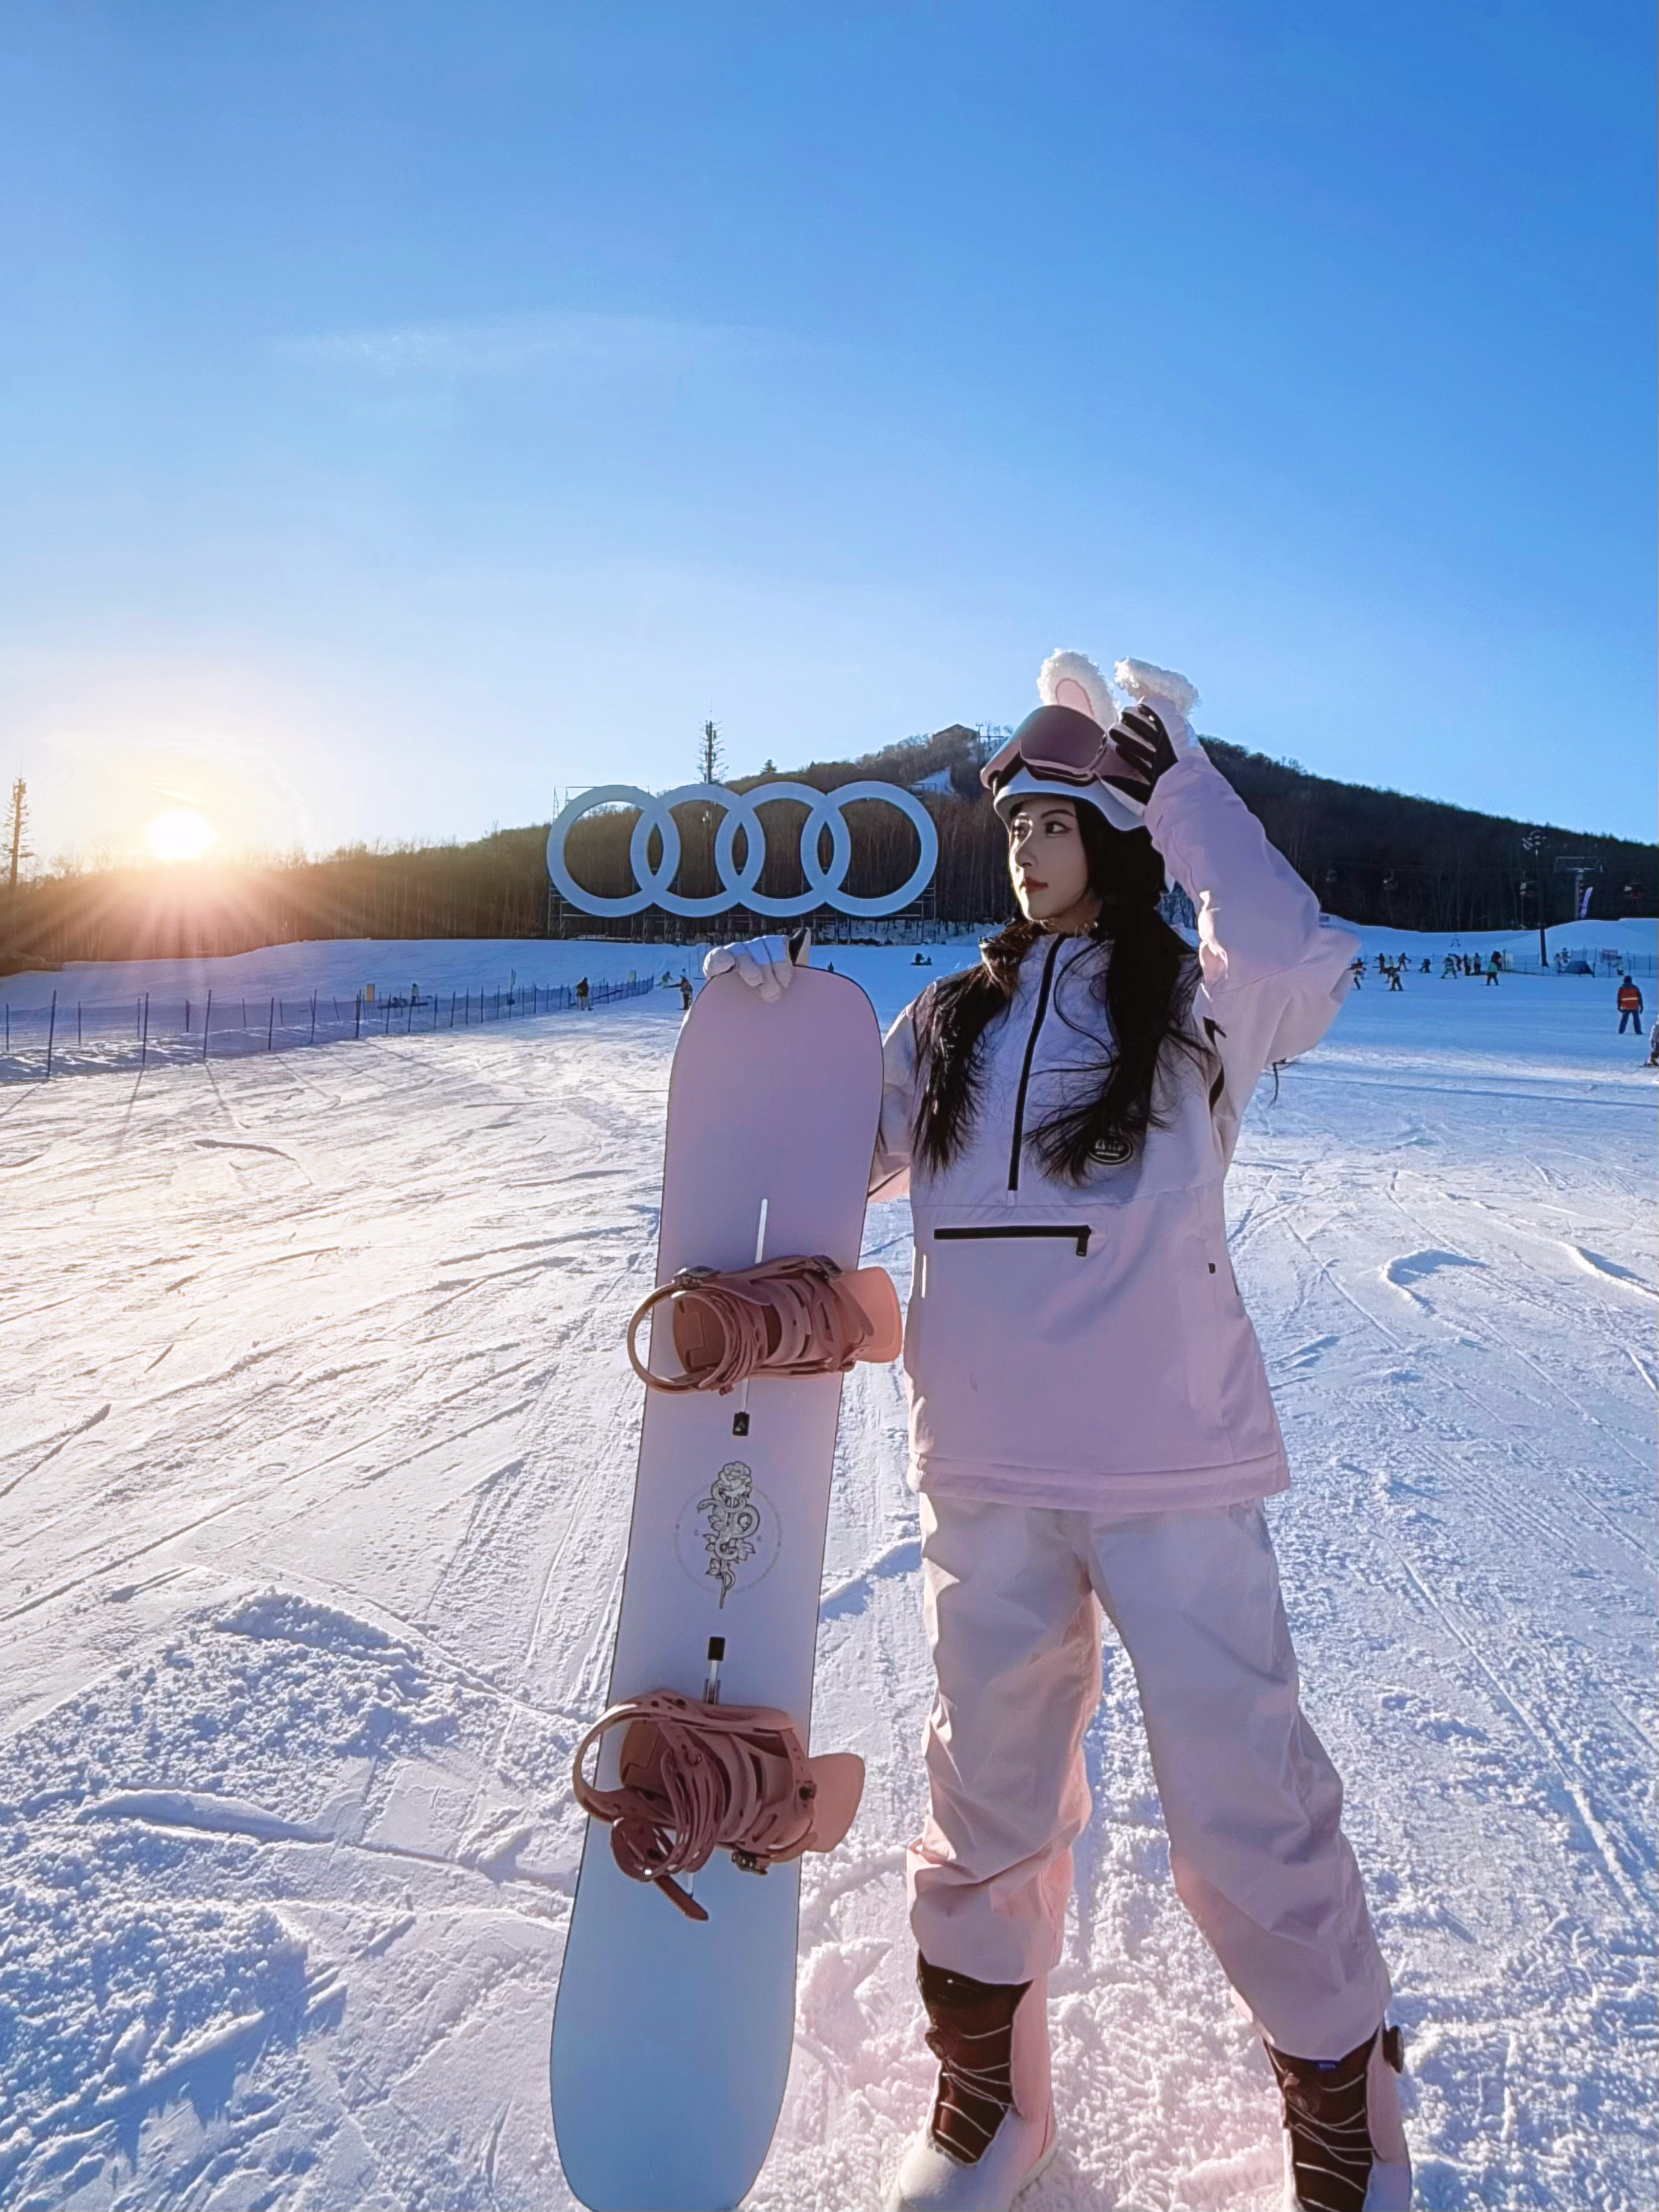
x: 767, y: 964
x: 1144, y: 749
x: 1152, y: 735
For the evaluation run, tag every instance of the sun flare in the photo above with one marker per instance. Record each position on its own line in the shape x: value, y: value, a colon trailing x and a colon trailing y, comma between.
x: 182, y: 834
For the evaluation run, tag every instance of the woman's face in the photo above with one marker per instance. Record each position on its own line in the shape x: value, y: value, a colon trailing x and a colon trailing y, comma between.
x: 1050, y: 869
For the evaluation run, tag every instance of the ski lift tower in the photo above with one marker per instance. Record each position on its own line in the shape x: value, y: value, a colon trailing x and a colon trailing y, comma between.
x: 560, y: 914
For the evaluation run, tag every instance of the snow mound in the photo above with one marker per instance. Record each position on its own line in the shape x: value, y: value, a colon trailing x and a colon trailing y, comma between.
x: 138, y: 1964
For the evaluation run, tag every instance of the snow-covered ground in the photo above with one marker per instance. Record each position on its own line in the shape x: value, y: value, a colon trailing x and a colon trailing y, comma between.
x: 317, y: 1445
x: 341, y: 967
x: 1587, y: 940
x: 111, y: 1015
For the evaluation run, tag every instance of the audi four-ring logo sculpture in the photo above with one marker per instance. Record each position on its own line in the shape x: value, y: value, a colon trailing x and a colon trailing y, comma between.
x: 742, y: 811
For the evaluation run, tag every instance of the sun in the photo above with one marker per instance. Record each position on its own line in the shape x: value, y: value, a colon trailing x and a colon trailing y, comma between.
x: 182, y: 834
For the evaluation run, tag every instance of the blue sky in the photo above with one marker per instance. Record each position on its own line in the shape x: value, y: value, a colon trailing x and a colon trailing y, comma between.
x: 416, y: 409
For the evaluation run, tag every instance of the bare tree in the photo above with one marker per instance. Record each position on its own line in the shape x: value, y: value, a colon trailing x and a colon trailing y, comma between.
x: 17, y: 849
x: 17, y: 829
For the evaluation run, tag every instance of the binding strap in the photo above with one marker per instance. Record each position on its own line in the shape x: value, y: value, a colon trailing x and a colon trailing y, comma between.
x: 782, y: 1317
x: 695, y: 1777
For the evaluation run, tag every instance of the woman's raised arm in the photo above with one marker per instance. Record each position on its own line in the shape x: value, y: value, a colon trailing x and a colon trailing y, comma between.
x: 1265, y: 951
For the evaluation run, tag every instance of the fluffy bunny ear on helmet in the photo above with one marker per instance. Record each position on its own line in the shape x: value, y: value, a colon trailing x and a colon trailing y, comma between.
x: 1144, y: 680
x: 1071, y: 679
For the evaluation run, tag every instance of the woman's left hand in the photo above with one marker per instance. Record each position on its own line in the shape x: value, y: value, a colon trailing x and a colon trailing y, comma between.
x: 1144, y: 750
x: 765, y: 963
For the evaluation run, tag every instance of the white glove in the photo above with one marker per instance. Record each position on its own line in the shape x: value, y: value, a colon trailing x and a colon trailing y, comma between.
x: 766, y: 964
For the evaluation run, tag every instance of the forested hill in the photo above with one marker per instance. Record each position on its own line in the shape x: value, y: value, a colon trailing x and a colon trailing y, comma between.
x: 1372, y: 855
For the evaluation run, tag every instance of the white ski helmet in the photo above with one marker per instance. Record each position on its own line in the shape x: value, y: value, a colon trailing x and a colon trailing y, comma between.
x: 1078, y: 709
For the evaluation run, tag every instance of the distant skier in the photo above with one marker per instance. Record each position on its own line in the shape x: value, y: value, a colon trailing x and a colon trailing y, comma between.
x: 1425, y: 963
x: 1630, y: 1005
x: 1091, y: 1427
x: 1357, y: 969
x: 686, y: 994
x: 1494, y: 970
x: 1394, y: 983
x: 583, y: 997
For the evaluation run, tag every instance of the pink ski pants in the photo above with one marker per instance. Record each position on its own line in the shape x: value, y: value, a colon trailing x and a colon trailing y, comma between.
x: 1251, y: 1803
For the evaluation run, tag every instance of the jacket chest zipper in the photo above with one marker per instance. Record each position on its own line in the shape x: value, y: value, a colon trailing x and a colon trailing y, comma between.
x: 1025, y: 1071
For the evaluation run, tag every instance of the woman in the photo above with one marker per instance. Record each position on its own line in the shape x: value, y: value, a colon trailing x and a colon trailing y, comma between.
x: 1091, y: 1428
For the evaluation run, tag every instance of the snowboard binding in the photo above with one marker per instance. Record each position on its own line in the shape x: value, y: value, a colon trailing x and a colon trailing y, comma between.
x: 694, y: 1778
x: 795, y: 1316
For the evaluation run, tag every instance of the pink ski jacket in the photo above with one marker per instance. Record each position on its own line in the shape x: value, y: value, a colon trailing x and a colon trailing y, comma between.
x: 1086, y: 1347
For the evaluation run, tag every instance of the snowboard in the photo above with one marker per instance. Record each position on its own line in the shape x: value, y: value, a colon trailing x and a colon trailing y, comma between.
x: 672, y: 2038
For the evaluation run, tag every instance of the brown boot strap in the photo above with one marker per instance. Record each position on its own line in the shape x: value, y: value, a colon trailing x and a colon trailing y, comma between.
x: 731, y: 1775
x: 820, y: 1328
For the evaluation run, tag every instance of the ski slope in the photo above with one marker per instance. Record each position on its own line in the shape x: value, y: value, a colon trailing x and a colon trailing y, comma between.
x: 317, y: 1445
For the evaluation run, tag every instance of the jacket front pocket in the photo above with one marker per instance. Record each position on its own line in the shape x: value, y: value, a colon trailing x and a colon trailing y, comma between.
x: 1056, y: 1345
x: 1077, y: 1234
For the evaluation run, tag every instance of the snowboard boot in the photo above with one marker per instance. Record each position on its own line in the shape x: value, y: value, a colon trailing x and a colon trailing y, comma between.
x: 993, y: 2128
x: 1344, y: 2144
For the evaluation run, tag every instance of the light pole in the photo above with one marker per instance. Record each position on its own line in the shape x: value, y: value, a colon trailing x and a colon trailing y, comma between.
x: 1532, y: 843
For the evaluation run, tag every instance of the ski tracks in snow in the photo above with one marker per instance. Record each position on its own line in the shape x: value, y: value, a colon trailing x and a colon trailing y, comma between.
x: 309, y: 1558
x: 1469, y: 1562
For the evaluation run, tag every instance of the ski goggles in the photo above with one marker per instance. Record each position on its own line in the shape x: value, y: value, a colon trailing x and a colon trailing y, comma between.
x: 1053, y: 742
